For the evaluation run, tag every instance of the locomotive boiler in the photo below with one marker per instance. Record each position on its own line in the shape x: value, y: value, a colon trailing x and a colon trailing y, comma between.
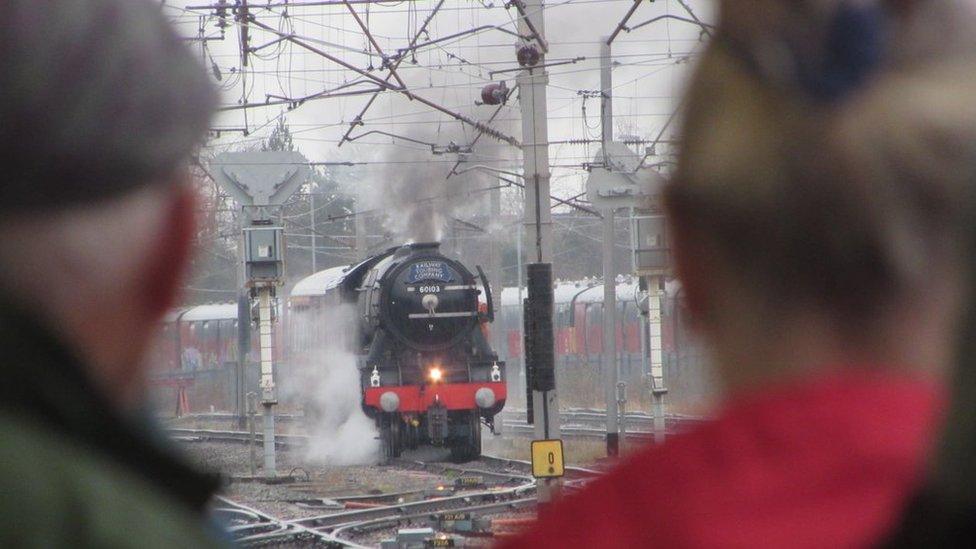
x: 427, y: 373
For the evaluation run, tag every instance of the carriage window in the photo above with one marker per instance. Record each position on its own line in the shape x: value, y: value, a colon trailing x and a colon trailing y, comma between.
x: 562, y: 318
x: 594, y: 314
x: 208, y: 331
x: 630, y: 312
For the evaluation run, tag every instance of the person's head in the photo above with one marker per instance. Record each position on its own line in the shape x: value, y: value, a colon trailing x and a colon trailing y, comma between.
x: 815, y: 210
x: 102, y: 107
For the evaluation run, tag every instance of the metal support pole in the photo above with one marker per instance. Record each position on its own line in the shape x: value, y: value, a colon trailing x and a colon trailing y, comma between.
x: 606, y: 96
x: 268, y: 399
x: 521, y: 316
x: 495, y: 271
x: 610, y: 374
x: 532, y: 84
x: 658, y: 387
x: 622, y: 410
x: 311, y: 228
x: 610, y: 377
x: 251, y: 412
x: 243, y: 336
x: 260, y: 187
x: 645, y: 329
x: 361, y: 245
x: 243, y: 348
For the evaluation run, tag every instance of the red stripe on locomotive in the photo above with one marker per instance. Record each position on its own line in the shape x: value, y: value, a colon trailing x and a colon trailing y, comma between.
x: 418, y: 398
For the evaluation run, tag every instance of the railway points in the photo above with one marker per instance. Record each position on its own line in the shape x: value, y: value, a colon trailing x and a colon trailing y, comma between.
x: 456, y: 499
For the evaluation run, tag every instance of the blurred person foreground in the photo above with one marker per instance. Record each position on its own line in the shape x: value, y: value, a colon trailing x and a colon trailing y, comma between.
x: 102, y: 107
x: 817, y: 221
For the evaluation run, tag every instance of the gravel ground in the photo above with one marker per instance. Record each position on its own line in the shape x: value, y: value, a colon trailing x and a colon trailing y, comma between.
x: 290, y: 500
x: 308, y: 482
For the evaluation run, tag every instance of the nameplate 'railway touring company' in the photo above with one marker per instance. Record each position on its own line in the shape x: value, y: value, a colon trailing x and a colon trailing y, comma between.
x: 429, y: 271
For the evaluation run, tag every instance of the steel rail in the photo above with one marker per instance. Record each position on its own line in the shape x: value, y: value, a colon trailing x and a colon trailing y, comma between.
x: 482, y: 508
x: 462, y: 469
x: 334, y: 520
x: 580, y: 423
x: 282, y: 528
x: 375, y: 497
x: 584, y: 432
x: 400, y: 512
x: 583, y: 472
x: 282, y: 440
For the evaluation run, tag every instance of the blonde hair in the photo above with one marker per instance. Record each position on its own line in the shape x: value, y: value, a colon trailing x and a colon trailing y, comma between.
x: 842, y: 201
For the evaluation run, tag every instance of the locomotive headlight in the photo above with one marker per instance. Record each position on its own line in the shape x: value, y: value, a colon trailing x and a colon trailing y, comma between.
x: 436, y: 374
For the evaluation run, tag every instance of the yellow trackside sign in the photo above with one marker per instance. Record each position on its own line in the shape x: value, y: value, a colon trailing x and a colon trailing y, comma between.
x: 547, y: 458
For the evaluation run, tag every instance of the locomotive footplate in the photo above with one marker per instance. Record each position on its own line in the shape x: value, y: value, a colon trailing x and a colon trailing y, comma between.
x: 437, y: 423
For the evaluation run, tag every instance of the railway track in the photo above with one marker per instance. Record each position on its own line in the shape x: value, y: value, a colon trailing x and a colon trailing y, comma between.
x: 506, y: 486
x: 519, y: 494
x: 249, y: 526
x: 213, y: 435
x: 581, y: 424
x: 217, y: 435
x: 516, y: 491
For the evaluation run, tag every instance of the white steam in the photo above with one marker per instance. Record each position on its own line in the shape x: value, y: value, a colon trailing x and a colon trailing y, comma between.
x: 341, y: 434
x: 328, y: 384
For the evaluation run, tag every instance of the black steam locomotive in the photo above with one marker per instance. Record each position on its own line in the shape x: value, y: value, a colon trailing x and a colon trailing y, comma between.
x: 427, y: 373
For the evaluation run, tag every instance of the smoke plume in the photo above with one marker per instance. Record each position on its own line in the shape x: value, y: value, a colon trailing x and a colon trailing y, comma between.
x: 328, y: 384
x: 411, y: 188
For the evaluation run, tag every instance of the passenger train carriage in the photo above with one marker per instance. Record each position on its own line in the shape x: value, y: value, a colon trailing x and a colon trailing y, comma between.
x: 194, y: 358
x: 578, y: 327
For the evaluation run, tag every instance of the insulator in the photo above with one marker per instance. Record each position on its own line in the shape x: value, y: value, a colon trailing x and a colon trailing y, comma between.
x: 494, y: 94
x: 528, y: 55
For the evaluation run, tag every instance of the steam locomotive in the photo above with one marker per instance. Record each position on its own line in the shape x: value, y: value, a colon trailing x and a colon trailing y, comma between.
x: 427, y: 373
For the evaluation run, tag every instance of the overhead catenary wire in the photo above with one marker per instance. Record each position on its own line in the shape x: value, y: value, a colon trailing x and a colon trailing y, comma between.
x: 446, y: 56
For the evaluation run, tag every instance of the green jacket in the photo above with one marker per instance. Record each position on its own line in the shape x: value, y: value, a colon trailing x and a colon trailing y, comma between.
x: 73, y: 472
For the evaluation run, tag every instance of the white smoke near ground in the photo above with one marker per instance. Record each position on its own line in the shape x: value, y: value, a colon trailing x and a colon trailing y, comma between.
x: 341, y: 433
x: 327, y: 382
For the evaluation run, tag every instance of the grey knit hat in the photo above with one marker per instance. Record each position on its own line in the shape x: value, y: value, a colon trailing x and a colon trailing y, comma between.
x: 97, y: 97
